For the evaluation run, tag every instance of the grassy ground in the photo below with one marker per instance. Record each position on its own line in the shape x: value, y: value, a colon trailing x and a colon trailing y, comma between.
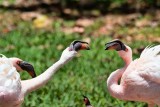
x: 84, y: 75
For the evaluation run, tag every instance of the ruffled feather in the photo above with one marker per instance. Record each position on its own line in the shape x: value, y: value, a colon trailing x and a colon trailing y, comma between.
x: 9, y: 77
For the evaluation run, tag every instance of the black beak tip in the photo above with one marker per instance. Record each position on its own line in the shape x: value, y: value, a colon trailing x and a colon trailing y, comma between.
x: 106, y: 48
x: 28, y: 67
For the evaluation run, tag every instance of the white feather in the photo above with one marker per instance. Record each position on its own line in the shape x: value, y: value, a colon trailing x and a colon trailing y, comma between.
x: 9, y: 77
x: 150, y: 51
x: 148, y: 65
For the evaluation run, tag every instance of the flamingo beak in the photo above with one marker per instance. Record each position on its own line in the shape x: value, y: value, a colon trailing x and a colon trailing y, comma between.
x: 28, y: 67
x: 79, y: 45
x: 115, y: 45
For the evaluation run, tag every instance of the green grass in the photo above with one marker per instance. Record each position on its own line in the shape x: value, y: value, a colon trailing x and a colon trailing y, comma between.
x: 86, y: 74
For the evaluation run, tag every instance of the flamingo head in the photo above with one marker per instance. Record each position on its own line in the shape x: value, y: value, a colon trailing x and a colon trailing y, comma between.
x: 86, y: 101
x: 21, y: 65
x: 116, y: 45
x: 124, y: 51
x: 72, y: 50
x: 79, y: 45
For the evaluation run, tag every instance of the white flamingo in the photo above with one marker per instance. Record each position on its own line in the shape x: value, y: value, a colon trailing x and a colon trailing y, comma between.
x: 13, y: 90
x: 140, y: 78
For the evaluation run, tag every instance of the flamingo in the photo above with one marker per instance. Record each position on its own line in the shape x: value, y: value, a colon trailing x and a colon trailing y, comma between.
x: 140, y: 78
x: 86, y: 101
x: 10, y: 79
x: 13, y: 89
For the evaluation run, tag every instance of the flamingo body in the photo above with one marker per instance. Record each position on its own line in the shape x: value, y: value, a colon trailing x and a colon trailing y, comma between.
x: 10, y: 84
x: 13, y: 89
x: 140, y: 79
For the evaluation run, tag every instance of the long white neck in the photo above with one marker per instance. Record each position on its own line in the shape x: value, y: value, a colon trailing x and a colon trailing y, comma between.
x: 114, y: 88
x: 41, y: 80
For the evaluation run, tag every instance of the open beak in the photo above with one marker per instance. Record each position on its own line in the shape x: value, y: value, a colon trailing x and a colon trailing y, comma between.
x: 79, y: 45
x: 115, y: 45
x: 28, y: 67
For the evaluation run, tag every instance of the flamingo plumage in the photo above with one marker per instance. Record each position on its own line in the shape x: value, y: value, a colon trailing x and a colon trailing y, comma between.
x: 13, y: 89
x: 140, y: 78
x: 10, y: 85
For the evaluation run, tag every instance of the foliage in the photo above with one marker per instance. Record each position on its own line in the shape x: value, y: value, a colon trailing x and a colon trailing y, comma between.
x: 84, y: 75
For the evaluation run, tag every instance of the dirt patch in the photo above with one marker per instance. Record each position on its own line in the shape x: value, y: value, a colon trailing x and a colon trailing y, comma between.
x: 119, y: 26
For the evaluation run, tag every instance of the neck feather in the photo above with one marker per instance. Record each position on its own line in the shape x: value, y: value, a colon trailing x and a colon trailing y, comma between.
x: 127, y: 60
x: 126, y: 56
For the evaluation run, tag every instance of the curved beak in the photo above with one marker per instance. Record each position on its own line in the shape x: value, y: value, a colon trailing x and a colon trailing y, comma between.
x: 28, y: 67
x: 79, y: 45
x: 115, y: 45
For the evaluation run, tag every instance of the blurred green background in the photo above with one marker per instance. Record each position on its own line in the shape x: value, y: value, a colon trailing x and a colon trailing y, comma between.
x: 38, y: 32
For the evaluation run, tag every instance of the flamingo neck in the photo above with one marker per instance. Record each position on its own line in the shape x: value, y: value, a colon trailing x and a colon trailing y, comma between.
x: 127, y: 60
x: 126, y: 55
x: 115, y: 89
x: 112, y: 84
x: 35, y: 83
